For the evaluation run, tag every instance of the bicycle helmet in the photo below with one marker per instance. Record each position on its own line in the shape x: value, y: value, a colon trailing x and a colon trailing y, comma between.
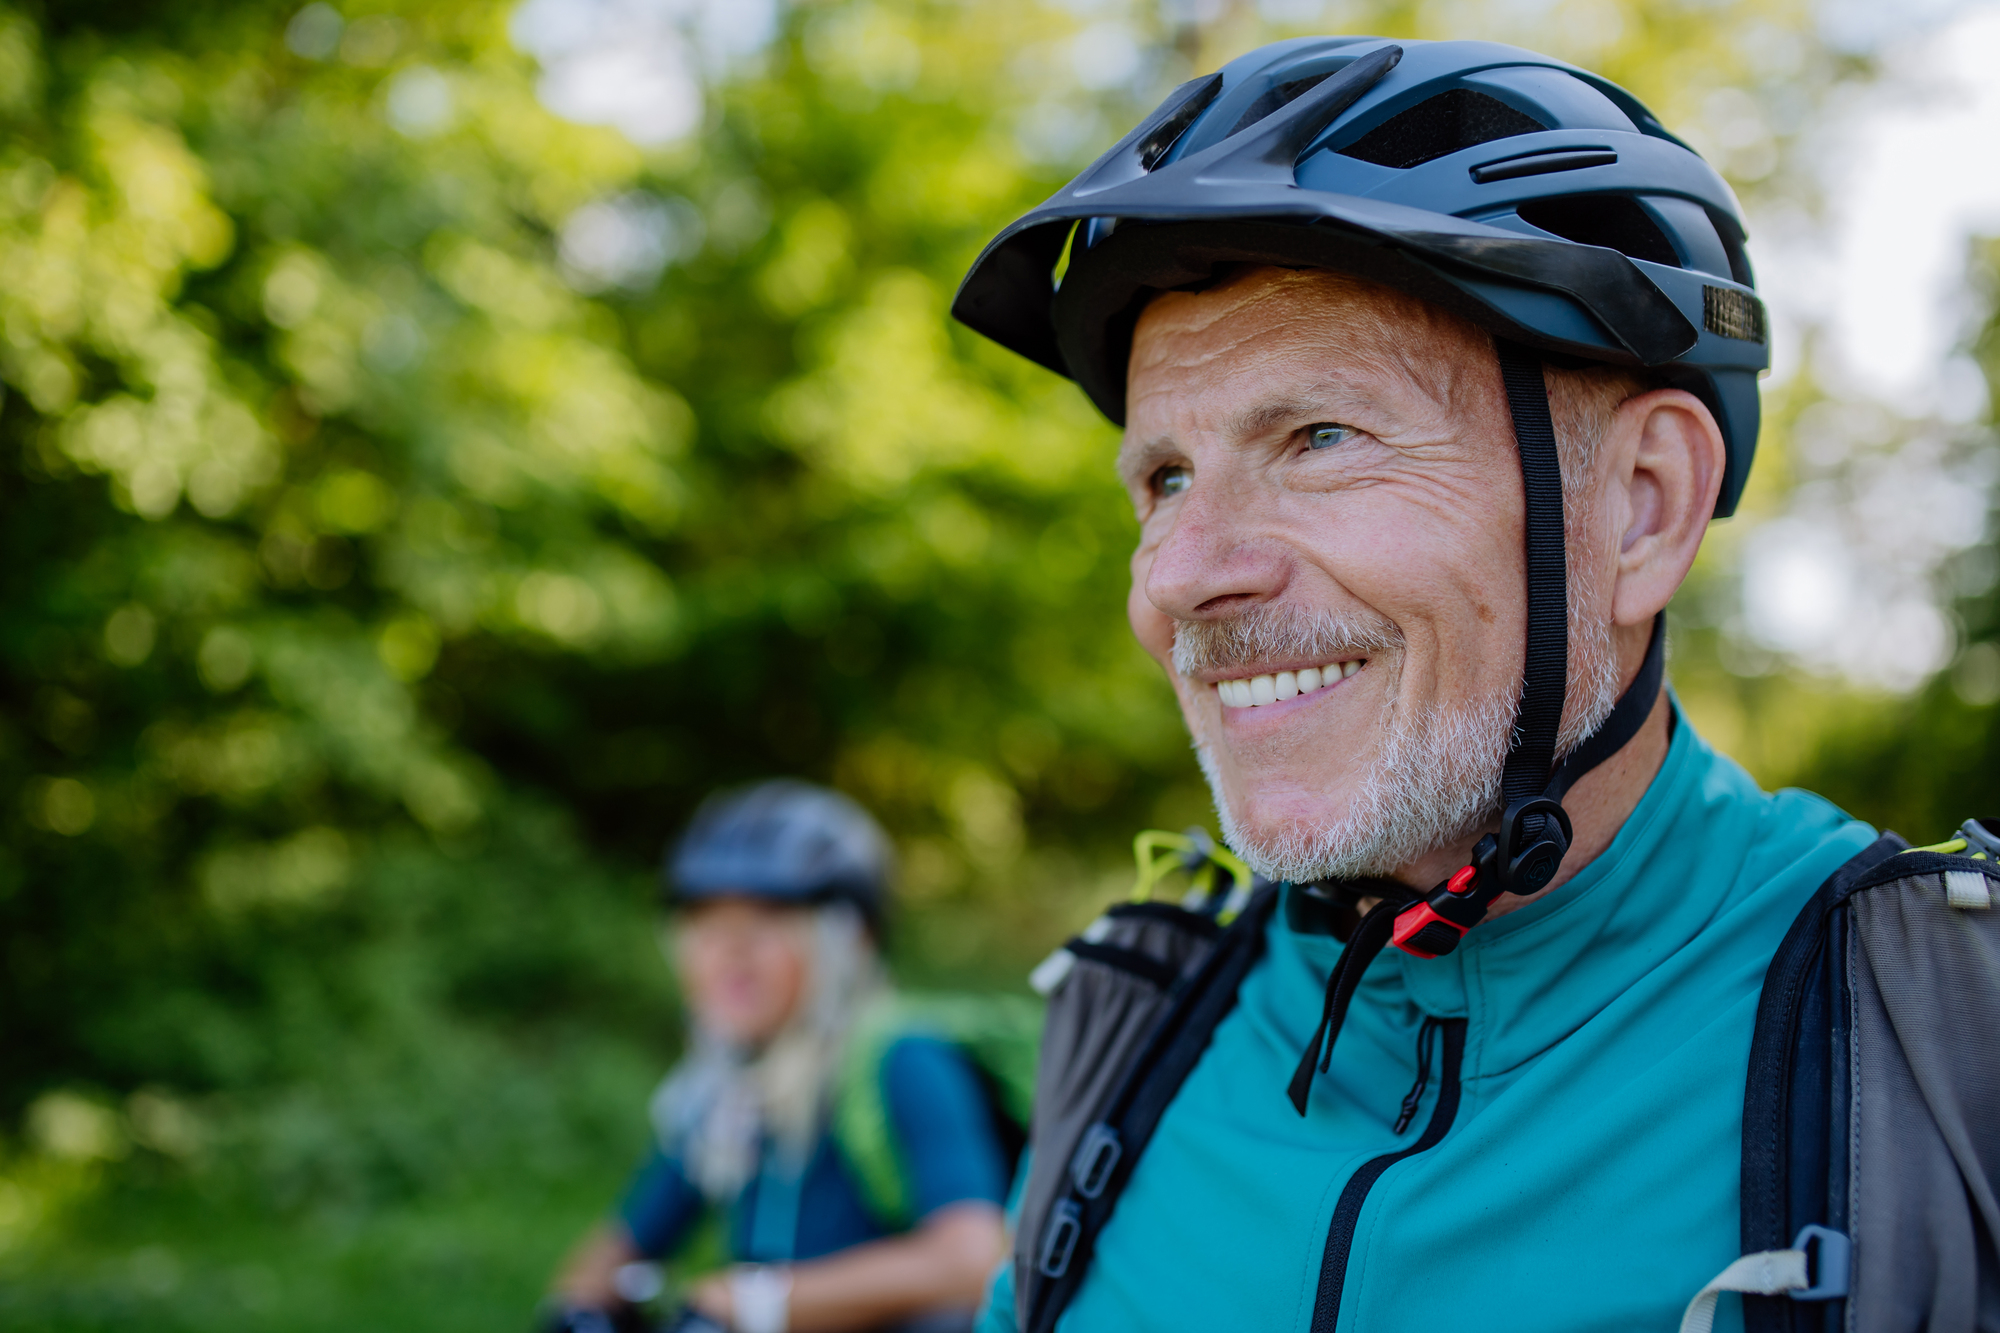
x: 1534, y: 199
x: 1537, y: 200
x: 785, y: 840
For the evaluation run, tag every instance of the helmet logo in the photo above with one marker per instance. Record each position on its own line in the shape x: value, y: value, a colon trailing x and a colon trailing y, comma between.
x: 1732, y: 314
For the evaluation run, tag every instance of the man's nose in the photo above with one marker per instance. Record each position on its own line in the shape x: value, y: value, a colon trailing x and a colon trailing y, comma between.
x: 1217, y: 558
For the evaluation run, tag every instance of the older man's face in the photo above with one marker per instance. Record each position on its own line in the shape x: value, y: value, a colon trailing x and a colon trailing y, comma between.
x: 1328, y: 493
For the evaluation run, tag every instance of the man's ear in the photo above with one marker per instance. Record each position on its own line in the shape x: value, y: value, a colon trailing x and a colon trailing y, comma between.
x: 1666, y: 459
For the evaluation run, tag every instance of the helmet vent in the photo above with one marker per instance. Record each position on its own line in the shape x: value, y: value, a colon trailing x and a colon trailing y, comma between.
x: 1732, y: 245
x: 1614, y: 221
x: 1273, y: 98
x: 1155, y: 146
x: 1443, y: 124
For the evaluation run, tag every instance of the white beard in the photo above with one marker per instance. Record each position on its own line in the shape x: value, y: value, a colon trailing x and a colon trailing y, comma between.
x: 1437, y: 778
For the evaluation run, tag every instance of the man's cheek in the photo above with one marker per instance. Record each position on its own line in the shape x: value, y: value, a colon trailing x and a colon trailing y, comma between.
x: 1152, y: 627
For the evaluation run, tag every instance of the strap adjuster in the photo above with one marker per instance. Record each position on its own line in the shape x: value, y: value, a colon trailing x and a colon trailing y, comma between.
x: 1090, y: 1169
x: 1827, y: 1264
x: 1059, y: 1240
x: 1422, y: 932
x: 1534, y: 834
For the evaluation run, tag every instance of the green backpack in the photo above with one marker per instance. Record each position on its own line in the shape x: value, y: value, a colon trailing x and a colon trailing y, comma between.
x: 999, y: 1034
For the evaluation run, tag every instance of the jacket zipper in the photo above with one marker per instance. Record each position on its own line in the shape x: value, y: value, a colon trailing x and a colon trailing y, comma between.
x: 1346, y: 1213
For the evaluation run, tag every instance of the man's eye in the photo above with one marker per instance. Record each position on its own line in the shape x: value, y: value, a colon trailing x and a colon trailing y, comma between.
x: 1172, y: 480
x: 1329, y: 433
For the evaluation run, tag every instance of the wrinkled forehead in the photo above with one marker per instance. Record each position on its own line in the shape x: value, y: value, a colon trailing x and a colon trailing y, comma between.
x: 1256, y: 331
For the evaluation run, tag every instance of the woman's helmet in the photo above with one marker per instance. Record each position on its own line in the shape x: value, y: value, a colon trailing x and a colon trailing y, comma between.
x: 784, y: 840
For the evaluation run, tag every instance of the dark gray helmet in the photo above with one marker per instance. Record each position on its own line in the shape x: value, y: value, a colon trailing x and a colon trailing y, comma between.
x: 1535, y: 199
x: 1532, y: 197
x: 786, y: 840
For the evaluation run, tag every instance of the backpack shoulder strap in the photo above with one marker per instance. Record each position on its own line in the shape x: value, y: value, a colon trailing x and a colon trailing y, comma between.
x: 861, y: 1128
x: 1088, y: 1170
x: 1787, y: 1054
x: 996, y: 1034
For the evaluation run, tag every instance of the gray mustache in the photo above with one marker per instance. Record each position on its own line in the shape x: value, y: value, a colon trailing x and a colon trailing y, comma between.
x: 1277, y: 632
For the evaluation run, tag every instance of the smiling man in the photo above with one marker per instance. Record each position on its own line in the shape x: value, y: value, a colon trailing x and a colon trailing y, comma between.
x: 1350, y: 442
x: 1434, y: 362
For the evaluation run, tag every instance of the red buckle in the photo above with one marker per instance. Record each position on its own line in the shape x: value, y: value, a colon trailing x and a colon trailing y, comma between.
x: 1420, y: 931
x: 1460, y: 884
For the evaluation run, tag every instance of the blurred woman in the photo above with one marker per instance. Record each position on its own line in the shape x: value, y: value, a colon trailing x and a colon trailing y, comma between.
x: 776, y: 893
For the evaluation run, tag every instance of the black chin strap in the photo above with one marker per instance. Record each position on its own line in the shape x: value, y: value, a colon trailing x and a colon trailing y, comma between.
x: 1633, y: 708
x: 1546, y: 674
x: 1535, y: 831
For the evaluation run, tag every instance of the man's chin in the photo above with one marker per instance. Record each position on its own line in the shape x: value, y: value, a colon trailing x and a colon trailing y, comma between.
x: 1274, y: 818
x: 1345, y: 826
x: 1285, y: 825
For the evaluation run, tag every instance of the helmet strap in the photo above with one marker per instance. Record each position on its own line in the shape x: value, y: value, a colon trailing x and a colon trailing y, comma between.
x: 1539, y: 718
x: 1535, y: 831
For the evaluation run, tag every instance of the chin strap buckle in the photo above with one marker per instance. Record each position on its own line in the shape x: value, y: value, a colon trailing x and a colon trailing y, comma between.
x: 1535, y: 833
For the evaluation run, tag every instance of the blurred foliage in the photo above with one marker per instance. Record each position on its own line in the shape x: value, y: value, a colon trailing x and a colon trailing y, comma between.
x: 1922, y: 764
x: 413, y: 502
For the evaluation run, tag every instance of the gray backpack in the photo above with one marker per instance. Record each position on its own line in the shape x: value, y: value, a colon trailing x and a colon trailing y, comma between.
x: 1871, y: 1116
x: 1871, y: 1127
x: 1132, y: 1003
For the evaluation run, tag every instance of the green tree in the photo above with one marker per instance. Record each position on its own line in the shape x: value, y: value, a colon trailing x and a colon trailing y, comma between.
x: 1923, y: 764
x: 413, y: 502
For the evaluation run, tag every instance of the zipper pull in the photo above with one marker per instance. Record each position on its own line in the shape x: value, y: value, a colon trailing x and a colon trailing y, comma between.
x: 1426, y: 1042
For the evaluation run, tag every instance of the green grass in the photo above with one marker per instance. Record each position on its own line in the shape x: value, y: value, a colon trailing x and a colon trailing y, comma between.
x: 436, y: 1199
x: 425, y: 1168
x: 173, y: 1255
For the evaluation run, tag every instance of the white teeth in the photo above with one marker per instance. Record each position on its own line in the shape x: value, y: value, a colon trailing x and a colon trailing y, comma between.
x: 1256, y: 691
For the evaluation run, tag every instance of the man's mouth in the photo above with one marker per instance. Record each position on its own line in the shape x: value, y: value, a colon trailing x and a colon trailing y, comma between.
x: 1278, y: 686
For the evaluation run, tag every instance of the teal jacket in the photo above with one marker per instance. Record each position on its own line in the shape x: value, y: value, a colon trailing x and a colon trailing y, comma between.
x: 1589, y: 1177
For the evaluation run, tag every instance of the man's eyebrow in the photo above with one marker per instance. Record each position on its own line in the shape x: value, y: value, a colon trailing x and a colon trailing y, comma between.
x: 1137, y: 455
x: 1264, y: 418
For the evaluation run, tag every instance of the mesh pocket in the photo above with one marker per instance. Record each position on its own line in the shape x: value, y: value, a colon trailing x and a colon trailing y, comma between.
x: 1099, y: 1018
